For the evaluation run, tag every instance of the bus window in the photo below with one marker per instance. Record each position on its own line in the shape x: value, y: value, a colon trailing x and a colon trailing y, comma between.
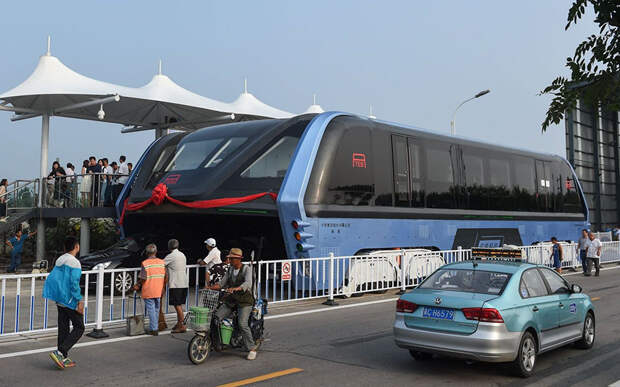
x: 474, y: 180
x: 351, y: 175
x: 499, y: 190
x: 344, y: 167
x: 401, y: 171
x: 415, y: 172
x: 274, y: 162
x: 524, y: 184
x: 439, y: 175
x: 192, y: 154
x: 572, y: 201
x: 543, y: 186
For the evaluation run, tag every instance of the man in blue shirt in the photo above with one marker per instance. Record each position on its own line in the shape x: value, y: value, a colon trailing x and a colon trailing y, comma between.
x: 63, y: 287
x: 17, y: 244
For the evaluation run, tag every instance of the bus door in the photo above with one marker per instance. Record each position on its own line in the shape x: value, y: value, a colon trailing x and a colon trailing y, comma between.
x: 400, y: 160
x: 458, y: 176
x: 543, y: 185
x: 408, y: 177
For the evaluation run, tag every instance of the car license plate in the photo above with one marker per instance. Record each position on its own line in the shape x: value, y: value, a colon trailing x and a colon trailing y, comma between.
x: 438, y: 313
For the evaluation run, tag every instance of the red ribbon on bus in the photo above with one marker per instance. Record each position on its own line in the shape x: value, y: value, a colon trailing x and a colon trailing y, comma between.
x: 160, y: 195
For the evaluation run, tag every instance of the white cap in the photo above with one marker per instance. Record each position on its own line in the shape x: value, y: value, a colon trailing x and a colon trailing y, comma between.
x: 210, y: 242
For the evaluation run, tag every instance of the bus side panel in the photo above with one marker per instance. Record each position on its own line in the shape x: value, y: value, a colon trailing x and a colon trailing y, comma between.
x: 291, y: 196
x: 347, y: 236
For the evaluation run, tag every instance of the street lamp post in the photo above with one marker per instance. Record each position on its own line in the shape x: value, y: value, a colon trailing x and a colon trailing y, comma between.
x: 483, y: 92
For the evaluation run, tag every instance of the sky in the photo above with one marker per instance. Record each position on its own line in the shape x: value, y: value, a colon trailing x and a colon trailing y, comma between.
x: 413, y: 61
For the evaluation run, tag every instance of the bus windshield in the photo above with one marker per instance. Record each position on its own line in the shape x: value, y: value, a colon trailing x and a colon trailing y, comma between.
x: 208, y: 153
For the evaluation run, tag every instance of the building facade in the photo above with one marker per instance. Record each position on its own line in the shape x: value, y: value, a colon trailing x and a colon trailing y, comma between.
x: 592, y: 148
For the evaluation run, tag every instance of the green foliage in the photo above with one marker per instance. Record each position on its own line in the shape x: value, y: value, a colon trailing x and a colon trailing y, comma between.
x: 594, y: 67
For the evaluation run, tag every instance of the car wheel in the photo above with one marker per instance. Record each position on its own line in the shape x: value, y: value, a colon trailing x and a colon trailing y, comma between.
x: 589, y: 333
x: 123, y: 281
x: 420, y: 356
x: 523, y: 365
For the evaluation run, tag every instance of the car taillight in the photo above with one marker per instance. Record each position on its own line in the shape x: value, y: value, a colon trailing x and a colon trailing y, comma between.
x: 483, y: 314
x: 403, y: 306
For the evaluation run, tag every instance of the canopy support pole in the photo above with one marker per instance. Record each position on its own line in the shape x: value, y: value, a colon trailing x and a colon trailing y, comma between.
x: 159, y: 132
x: 45, y: 135
x: 84, y: 237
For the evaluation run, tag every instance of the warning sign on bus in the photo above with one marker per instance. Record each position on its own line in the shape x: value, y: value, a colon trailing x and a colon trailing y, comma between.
x: 286, y: 271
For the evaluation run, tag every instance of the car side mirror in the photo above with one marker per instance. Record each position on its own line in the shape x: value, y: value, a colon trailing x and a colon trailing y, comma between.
x: 574, y: 288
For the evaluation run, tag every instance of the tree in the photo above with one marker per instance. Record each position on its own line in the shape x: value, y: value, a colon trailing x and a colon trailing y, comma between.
x: 594, y: 67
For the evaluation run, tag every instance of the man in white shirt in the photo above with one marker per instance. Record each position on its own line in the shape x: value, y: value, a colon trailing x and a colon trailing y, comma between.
x: 593, y: 255
x: 123, y: 172
x: 107, y: 183
x: 177, y: 282
x: 212, y: 258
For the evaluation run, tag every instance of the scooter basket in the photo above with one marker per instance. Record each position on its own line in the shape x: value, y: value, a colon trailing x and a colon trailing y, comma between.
x: 199, y: 317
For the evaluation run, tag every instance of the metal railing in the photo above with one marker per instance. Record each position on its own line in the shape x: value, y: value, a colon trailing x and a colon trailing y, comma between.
x: 82, y: 190
x: 21, y: 194
x: 24, y: 311
x: 75, y: 191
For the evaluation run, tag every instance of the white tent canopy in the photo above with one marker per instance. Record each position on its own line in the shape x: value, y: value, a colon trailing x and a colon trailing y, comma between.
x: 55, y: 89
x: 314, y: 108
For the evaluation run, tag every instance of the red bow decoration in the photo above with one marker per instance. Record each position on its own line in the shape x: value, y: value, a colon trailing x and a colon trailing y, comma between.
x: 160, y: 194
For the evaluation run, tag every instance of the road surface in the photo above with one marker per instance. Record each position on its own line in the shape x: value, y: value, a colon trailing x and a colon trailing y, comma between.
x: 347, y: 345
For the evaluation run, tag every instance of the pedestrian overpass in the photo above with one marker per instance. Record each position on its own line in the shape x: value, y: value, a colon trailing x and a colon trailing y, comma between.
x: 53, y: 89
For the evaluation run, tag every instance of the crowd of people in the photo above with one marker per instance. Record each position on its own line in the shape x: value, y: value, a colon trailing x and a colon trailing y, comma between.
x: 98, y: 183
x: 229, y: 275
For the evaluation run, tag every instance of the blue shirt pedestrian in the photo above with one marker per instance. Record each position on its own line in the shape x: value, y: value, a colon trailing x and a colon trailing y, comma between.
x: 17, y: 244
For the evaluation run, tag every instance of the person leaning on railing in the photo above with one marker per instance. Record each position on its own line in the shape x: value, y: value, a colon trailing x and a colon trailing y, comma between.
x: 3, y: 190
x: 57, y: 185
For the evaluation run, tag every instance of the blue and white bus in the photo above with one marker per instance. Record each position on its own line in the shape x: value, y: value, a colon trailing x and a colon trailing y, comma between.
x: 346, y: 185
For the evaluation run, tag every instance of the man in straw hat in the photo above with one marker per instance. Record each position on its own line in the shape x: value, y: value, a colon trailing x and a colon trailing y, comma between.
x: 238, y: 283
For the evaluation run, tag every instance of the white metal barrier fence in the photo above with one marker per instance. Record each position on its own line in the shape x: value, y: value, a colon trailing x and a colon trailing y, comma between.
x: 23, y: 310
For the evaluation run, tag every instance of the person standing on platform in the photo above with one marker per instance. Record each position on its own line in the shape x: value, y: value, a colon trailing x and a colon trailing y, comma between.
x: 3, y: 192
x: 95, y: 170
x: 178, y: 282
x: 123, y: 171
x: 152, y: 285
x: 106, y: 188
x: 63, y: 287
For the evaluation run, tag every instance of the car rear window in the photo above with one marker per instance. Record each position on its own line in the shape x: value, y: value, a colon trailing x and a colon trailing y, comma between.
x: 470, y: 281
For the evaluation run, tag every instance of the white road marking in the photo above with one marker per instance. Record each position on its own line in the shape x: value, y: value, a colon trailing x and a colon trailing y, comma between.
x: 118, y: 339
x: 579, y: 272
x: 616, y: 384
x: 329, y: 309
x: 79, y: 345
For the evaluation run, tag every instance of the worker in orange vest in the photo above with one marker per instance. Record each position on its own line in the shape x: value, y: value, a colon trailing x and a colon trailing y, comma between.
x: 152, y: 285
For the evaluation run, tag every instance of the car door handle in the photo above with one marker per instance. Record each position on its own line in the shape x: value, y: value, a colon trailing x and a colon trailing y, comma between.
x: 561, y: 305
x: 535, y: 309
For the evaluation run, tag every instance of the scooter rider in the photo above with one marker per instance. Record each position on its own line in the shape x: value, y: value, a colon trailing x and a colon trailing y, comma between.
x: 238, y: 282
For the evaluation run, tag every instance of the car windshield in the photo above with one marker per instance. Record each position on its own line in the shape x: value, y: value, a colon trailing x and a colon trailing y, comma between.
x: 469, y: 281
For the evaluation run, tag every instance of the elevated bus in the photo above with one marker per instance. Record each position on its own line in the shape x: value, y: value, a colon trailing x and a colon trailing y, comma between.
x: 348, y: 185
